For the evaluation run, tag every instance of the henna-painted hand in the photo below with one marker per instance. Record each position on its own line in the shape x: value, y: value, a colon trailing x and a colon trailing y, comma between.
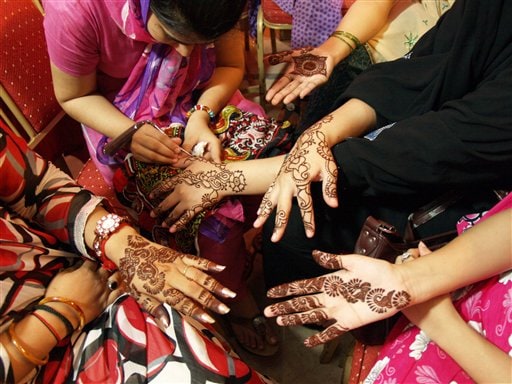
x: 362, y: 291
x: 199, y: 187
x: 310, y: 160
x: 154, y: 273
x: 308, y: 69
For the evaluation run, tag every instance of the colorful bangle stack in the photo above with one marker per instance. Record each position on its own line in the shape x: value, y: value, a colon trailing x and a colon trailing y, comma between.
x: 23, y: 349
x: 347, y: 38
x: 105, y: 227
x: 200, y: 107
x: 47, y: 324
x: 56, y: 299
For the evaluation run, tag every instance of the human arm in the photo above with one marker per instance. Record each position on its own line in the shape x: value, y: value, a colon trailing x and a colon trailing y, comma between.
x: 438, y: 318
x: 296, y: 83
x: 226, y: 78
x: 310, y: 160
x: 38, y: 330
x: 365, y: 290
x: 204, y: 183
x: 40, y: 192
x: 80, y: 99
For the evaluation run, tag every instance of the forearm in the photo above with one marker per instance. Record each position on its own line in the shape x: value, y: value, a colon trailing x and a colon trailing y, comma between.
x: 258, y: 174
x: 221, y: 87
x: 481, y: 252
x: 354, y: 118
x: 105, y: 119
x: 375, y: 15
x: 479, y: 358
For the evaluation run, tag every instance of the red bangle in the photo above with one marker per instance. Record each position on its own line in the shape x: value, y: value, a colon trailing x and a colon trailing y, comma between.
x: 105, y: 227
x: 47, y: 325
x: 200, y: 107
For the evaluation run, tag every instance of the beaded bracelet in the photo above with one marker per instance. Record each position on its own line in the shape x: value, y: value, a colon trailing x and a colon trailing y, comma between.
x: 47, y: 325
x: 69, y: 327
x: 20, y: 347
x: 200, y: 107
x: 71, y: 303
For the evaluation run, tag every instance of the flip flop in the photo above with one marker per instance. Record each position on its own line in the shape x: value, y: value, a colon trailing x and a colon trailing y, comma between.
x: 259, y: 325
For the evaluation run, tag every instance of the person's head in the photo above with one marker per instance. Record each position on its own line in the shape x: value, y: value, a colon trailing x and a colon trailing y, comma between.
x: 188, y: 22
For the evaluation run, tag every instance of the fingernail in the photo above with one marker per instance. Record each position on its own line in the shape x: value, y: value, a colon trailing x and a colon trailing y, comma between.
x: 162, y: 316
x: 222, y: 308
x: 152, y: 214
x: 227, y: 293
x: 207, y: 318
x: 218, y: 268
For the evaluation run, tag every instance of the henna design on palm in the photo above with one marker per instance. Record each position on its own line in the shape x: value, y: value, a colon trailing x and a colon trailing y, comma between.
x: 308, y: 64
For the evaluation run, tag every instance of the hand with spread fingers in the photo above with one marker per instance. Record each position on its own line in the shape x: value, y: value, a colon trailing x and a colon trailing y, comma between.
x: 308, y: 69
x: 154, y: 273
x: 310, y: 160
x: 361, y: 291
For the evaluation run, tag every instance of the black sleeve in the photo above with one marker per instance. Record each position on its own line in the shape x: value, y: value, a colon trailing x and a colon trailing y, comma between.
x: 466, y: 142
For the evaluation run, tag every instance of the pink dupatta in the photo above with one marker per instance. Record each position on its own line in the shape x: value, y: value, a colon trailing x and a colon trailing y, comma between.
x: 160, y: 85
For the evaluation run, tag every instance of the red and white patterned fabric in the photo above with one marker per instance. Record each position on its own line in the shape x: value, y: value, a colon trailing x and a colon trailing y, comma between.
x: 39, y: 204
x: 410, y: 356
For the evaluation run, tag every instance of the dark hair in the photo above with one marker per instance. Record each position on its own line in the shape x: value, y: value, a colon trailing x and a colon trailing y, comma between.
x: 200, y: 19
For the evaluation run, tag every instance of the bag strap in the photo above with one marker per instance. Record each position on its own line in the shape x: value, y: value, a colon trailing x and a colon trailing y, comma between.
x: 429, y: 211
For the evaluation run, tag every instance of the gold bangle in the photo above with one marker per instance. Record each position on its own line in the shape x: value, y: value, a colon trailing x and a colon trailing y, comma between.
x: 20, y: 347
x: 348, y: 35
x: 345, y: 41
x: 71, y: 303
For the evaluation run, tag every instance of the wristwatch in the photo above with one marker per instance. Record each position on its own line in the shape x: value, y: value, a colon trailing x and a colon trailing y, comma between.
x: 105, y: 227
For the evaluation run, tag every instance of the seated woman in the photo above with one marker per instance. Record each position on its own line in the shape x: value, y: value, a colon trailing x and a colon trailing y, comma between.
x: 467, y: 340
x: 53, y: 324
x: 135, y: 70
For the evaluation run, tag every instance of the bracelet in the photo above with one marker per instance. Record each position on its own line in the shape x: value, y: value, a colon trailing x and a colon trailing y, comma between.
x: 348, y: 35
x: 79, y: 225
x: 47, y: 325
x: 105, y: 227
x: 20, y: 347
x: 71, y: 303
x: 124, y: 138
x: 345, y: 41
x: 69, y: 327
x: 200, y: 107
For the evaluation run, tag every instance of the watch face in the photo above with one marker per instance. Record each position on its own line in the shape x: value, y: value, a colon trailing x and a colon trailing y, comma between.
x: 108, y: 224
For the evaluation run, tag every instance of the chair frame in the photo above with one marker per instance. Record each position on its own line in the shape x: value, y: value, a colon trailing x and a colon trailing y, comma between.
x: 261, y: 24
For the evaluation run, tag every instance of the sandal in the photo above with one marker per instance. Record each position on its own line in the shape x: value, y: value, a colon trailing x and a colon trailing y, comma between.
x: 259, y: 326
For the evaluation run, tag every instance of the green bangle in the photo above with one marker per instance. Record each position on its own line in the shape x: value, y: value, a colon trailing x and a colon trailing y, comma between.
x: 69, y: 327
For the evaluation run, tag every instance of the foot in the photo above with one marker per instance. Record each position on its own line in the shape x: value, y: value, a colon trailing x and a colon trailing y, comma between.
x: 254, y: 334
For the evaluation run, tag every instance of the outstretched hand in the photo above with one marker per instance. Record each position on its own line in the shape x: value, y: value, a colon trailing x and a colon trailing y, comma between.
x: 362, y: 290
x: 309, y: 160
x: 308, y: 69
x: 155, y: 274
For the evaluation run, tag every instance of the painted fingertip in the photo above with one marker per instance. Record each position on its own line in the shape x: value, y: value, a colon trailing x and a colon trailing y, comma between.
x: 223, y: 308
x: 206, y: 318
x: 228, y: 293
x: 217, y: 268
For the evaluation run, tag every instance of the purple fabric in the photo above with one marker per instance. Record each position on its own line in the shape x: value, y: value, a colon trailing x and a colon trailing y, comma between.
x: 313, y: 21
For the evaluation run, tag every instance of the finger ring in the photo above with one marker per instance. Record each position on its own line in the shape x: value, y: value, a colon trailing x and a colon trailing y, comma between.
x: 185, y: 272
x: 404, y: 256
x: 112, y: 285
